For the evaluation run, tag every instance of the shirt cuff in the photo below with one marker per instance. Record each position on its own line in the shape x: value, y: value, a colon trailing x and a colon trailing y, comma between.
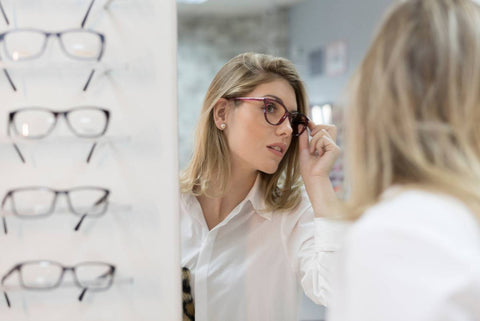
x: 329, y: 234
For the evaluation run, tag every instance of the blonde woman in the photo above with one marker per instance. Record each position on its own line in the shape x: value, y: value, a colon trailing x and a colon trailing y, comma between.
x: 414, y: 154
x: 249, y: 235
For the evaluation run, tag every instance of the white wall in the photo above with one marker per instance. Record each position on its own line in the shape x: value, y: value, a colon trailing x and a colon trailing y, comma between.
x: 137, y: 161
x: 315, y: 23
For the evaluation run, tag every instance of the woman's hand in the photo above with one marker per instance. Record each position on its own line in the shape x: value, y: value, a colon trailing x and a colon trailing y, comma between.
x: 316, y: 161
x: 318, y: 156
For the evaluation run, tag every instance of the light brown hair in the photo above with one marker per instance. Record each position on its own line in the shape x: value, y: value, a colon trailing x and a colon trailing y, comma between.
x: 414, y: 113
x: 211, y: 156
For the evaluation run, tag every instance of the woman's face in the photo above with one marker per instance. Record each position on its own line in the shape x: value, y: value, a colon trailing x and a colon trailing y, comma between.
x: 255, y: 145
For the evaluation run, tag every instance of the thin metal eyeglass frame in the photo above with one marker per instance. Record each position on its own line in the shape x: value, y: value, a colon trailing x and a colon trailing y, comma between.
x: 56, y: 114
x: 9, y: 195
x: 58, y: 35
x: 18, y: 267
x: 288, y: 114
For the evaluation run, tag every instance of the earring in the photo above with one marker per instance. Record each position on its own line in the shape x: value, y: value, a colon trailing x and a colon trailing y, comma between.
x: 222, y: 126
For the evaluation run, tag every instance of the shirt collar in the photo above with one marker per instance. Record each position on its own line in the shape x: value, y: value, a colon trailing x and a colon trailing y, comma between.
x: 254, y: 196
x: 257, y: 199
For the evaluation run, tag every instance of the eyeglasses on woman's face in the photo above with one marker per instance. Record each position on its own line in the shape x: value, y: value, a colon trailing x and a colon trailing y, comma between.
x: 275, y: 113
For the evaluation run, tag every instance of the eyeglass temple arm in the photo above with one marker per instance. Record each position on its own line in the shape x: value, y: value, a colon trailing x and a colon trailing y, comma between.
x: 3, y: 281
x: 19, y: 153
x: 5, y: 72
x: 77, y: 227
x: 4, y: 220
x: 84, y: 20
x: 80, y: 298
x: 6, y: 298
x: 85, y: 87
x: 91, y: 152
x: 100, y: 201
x: 4, y: 14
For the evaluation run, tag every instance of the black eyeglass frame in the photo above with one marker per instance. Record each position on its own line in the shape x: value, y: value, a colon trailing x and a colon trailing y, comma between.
x: 56, y: 115
x: 18, y: 267
x: 10, y: 195
x: 291, y: 115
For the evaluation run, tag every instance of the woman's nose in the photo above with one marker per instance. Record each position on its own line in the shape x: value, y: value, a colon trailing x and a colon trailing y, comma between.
x: 285, y: 128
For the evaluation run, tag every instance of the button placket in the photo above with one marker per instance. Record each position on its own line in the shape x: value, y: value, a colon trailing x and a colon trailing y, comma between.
x: 201, y: 279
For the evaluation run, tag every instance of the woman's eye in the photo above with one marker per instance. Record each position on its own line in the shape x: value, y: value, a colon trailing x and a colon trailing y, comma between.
x: 270, y: 108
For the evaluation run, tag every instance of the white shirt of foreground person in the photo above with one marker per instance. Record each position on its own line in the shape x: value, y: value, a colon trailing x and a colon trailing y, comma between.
x: 414, y: 256
x: 253, y: 265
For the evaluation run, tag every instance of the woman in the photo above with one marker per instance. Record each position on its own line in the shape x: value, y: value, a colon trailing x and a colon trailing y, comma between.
x: 414, y: 155
x: 249, y: 236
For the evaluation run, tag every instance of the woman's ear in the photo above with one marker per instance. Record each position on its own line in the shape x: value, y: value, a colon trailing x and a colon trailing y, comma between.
x: 220, y: 113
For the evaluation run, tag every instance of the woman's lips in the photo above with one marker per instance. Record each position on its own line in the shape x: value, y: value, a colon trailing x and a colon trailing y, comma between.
x: 277, y: 149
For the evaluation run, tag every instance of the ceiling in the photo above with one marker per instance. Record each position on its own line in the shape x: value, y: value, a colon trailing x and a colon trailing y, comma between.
x: 232, y: 7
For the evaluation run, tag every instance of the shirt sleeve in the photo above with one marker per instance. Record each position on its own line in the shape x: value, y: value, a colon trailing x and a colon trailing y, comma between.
x: 311, y: 244
x: 396, y: 274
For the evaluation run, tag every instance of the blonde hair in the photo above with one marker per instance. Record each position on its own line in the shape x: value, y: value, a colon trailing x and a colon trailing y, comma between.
x: 414, y: 116
x: 211, y: 156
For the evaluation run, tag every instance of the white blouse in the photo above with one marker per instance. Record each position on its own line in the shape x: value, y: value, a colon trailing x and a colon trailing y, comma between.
x: 253, y: 264
x: 414, y: 256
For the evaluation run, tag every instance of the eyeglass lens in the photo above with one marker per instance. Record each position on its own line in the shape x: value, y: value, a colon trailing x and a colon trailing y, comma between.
x: 274, y: 112
x: 41, y: 275
x: 31, y: 202
x: 37, y: 122
x: 46, y: 275
x: 29, y: 44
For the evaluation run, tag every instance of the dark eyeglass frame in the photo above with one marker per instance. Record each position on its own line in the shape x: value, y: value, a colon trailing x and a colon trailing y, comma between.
x: 56, y: 115
x: 18, y: 267
x: 84, y: 19
x: 291, y: 115
x: 59, y: 36
x: 10, y: 194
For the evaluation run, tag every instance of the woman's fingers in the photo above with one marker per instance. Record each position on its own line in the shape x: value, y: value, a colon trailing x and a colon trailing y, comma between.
x: 303, y: 141
x: 315, y: 129
x: 314, y: 142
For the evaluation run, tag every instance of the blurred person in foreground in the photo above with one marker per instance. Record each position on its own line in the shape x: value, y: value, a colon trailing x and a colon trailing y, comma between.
x: 413, y: 128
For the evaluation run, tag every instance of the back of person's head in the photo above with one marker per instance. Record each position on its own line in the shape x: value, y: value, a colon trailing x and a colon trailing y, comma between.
x: 211, y: 156
x: 414, y: 113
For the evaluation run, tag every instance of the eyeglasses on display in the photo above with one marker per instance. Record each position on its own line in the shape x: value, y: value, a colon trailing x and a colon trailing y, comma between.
x: 275, y: 113
x: 47, y: 275
x: 40, y: 202
x: 38, y: 122
x: 27, y: 44
x: 84, y: 19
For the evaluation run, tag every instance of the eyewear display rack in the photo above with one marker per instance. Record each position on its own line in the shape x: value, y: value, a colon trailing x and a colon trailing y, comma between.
x: 127, y: 168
